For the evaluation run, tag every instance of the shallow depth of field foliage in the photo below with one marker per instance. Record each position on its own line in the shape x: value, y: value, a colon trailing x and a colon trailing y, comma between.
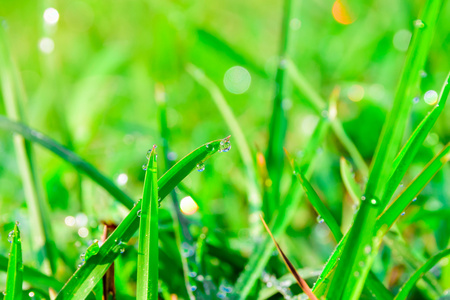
x: 325, y: 119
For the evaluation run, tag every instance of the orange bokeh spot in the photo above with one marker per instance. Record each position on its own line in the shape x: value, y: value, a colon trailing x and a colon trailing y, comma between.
x: 341, y: 13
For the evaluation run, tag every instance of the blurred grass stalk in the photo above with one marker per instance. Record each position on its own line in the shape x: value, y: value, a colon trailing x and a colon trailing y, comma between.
x: 278, y: 121
x: 253, y: 191
x: 38, y: 208
x: 361, y: 237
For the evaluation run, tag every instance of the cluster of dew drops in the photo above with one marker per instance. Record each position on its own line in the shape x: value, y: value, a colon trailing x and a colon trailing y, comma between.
x: 281, y: 286
x: 224, y: 146
x: 12, y: 234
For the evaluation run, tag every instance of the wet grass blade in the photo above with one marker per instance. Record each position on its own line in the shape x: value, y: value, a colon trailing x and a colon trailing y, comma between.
x: 14, y: 273
x: 409, y: 151
x: 147, y: 273
x: 69, y: 156
x: 300, y: 281
x: 253, y: 191
x: 409, y: 284
x: 387, y: 219
x: 362, y: 231
x: 33, y: 276
x: 319, y: 206
x: 279, y: 223
x: 320, y: 105
x: 87, y: 276
x: 38, y: 209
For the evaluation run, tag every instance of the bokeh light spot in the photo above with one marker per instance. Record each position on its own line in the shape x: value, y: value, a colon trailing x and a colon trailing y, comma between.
x: 188, y: 206
x: 430, y: 97
x: 237, y: 80
x: 356, y: 93
x: 401, y: 40
x: 341, y: 13
x: 51, y: 16
x: 83, y: 232
x: 122, y: 179
x: 46, y: 45
x: 69, y: 220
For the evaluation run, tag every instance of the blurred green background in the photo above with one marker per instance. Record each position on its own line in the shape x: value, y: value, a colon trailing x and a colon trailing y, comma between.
x: 89, y: 71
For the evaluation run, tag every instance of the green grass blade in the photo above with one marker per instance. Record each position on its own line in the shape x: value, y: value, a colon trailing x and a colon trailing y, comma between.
x: 409, y: 284
x: 14, y: 274
x: 38, y: 209
x: 147, y: 273
x: 397, y: 119
x: 319, y: 206
x: 253, y: 191
x: 69, y: 156
x: 86, y: 277
x: 390, y: 215
x: 278, y: 121
x: 320, y: 105
x: 362, y: 231
x: 414, y: 259
x: 279, y: 223
x: 33, y: 276
x: 408, y: 152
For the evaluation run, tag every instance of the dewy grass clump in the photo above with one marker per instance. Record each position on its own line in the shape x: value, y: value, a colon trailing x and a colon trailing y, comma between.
x: 354, y: 187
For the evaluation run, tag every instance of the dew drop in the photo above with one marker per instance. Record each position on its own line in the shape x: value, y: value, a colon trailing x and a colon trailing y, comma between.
x: 319, y: 219
x: 139, y: 213
x: 83, y: 256
x: 415, y: 199
x: 201, y: 167
x: 193, y: 288
x: 122, y: 250
x: 11, y: 236
x: 373, y: 202
x: 144, y: 167
x: 416, y: 100
x: 225, y: 145
x: 418, y: 24
x: 423, y: 74
x: 403, y: 213
x: 363, y: 198
x: 149, y: 152
x: 430, y: 97
x: 192, y: 274
x: 367, y: 249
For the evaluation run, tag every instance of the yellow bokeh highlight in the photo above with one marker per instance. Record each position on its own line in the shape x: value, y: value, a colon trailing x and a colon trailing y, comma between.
x: 188, y: 206
x: 341, y: 13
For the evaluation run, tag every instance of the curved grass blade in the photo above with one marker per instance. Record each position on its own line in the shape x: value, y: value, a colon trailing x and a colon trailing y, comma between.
x: 300, y: 281
x: 14, y: 274
x: 387, y: 219
x: 147, y: 272
x: 86, y: 277
x: 409, y: 284
x: 279, y: 223
x: 33, y: 276
x: 253, y: 192
x: 69, y: 156
x: 320, y: 105
x: 318, y: 205
x: 360, y: 235
x: 408, y: 152
x: 38, y: 209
